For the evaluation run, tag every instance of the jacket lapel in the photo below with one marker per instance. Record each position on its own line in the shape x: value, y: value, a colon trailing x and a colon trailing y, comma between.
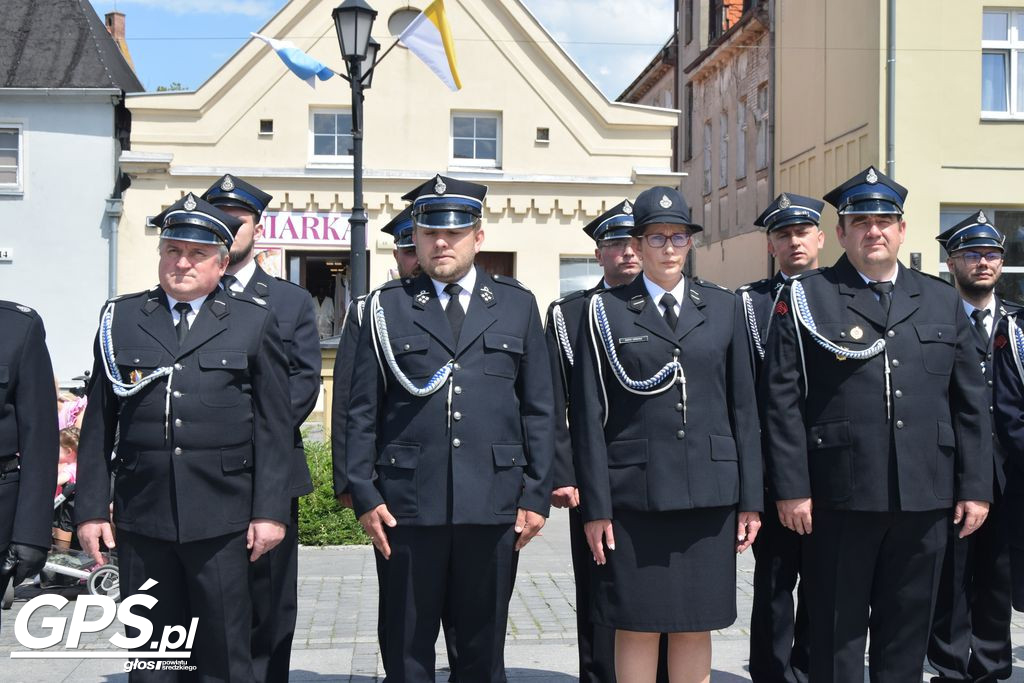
x: 860, y: 298
x: 648, y: 311
x: 208, y: 323
x: 478, y: 315
x: 428, y: 314
x: 259, y: 284
x: 905, y: 297
x: 156, y: 320
x: 690, y: 314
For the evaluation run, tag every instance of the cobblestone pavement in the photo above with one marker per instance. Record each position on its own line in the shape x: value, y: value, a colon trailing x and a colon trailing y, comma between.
x: 335, y: 638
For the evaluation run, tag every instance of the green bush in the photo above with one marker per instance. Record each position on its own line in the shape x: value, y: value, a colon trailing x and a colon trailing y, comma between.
x: 321, y: 520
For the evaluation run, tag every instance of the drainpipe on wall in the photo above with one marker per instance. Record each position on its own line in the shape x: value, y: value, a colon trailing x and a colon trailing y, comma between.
x: 771, y: 115
x: 890, y: 90
x: 112, y: 213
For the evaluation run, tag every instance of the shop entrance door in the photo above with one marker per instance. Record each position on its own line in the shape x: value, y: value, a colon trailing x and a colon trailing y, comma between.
x: 325, y: 277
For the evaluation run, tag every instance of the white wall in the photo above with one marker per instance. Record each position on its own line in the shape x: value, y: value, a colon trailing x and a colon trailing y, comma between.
x: 56, y: 227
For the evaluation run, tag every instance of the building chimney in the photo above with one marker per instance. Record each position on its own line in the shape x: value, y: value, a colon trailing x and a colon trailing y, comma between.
x: 114, y: 22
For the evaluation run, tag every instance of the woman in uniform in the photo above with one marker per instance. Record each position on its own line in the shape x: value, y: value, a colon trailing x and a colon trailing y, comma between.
x: 667, y: 451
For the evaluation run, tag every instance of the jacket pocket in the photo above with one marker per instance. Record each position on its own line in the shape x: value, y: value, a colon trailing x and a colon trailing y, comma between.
x: 396, y: 477
x: 411, y: 354
x: 627, y: 452
x: 502, y: 353
x: 829, y: 460
x: 627, y: 473
x: 143, y: 362
x: 938, y: 346
x: 221, y: 376
x: 723, y: 448
x: 507, y: 485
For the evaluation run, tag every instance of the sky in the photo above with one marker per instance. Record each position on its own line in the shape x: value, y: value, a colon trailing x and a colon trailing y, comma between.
x: 186, y: 41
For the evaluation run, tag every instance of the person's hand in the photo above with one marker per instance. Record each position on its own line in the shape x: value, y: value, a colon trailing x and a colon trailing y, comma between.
x: 373, y: 523
x: 972, y: 513
x: 565, y: 497
x: 747, y: 527
x: 21, y: 561
x: 91, y: 533
x: 263, y: 536
x: 599, y: 535
x: 795, y: 514
x: 345, y: 500
x: 528, y: 525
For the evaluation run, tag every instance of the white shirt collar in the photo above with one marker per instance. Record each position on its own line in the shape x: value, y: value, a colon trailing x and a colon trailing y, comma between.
x: 467, y: 282
x: 245, y: 274
x: 868, y: 280
x: 990, y: 307
x: 656, y: 291
x: 196, y: 304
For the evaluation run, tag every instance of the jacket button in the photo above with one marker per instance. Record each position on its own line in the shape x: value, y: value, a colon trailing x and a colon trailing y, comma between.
x: 456, y: 442
x: 223, y: 361
x: 178, y: 366
x: 513, y: 461
x: 456, y: 415
x: 989, y: 357
x: 899, y: 424
x: 895, y: 363
x: 819, y: 440
x: 890, y: 333
x: 680, y: 434
x: 842, y: 334
x: 458, y: 390
x: 679, y: 407
x: 990, y: 382
x: 940, y: 335
x: 136, y: 360
x: 177, y: 422
x: 406, y: 347
x: 176, y: 394
x: 899, y: 393
x: 676, y: 352
x: 457, y: 366
x: 504, y: 346
x: 990, y: 409
x: 393, y: 461
x: 177, y: 450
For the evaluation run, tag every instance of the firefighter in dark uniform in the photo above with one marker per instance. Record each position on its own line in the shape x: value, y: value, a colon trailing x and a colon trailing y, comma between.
x: 877, y: 431
x: 274, y: 578
x: 778, y: 639
x: 614, y: 253
x: 970, y: 638
x: 188, y: 377
x: 666, y: 447
x: 399, y: 227
x: 28, y: 444
x: 449, y: 443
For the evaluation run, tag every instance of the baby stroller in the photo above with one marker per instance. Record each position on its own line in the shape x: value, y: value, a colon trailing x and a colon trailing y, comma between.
x: 66, y: 563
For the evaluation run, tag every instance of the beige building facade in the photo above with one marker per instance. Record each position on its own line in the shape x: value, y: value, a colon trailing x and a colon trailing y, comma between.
x: 552, y: 149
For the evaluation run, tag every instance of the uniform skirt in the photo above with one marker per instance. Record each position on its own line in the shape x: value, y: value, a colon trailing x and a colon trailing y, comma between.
x: 670, y: 572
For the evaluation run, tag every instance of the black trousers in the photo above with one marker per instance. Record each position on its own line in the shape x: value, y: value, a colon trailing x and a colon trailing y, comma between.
x: 970, y: 638
x: 464, y: 570
x: 208, y: 580
x: 273, y: 585
x: 877, y: 572
x: 779, y: 647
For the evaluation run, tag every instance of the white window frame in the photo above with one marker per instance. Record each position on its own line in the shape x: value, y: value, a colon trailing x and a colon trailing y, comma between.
x: 761, y: 111
x: 723, y: 149
x: 326, y: 159
x: 741, y: 140
x: 1013, y: 48
x: 474, y: 163
x: 18, y: 186
x: 589, y: 278
x: 707, y: 157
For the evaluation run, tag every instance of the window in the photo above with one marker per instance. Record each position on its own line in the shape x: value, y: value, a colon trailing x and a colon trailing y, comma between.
x: 762, y: 127
x: 543, y: 135
x: 577, y: 273
x: 1010, y: 222
x: 332, y: 136
x: 707, y: 157
x: 741, y: 140
x: 688, y: 123
x: 688, y: 21
x: 1002, y: 64
x: 10, y: 158
x: 266, y: 126
x: 723, y: 149
x: 476, y: 140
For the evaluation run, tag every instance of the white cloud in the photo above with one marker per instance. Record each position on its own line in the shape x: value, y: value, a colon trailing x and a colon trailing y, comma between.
x: 250, y: 8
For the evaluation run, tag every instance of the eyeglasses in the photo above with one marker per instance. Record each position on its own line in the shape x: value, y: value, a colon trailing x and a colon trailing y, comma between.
x: 973, y: 258
x: 658, y: 240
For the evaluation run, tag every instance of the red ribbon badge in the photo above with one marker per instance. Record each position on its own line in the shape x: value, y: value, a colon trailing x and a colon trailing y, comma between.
x: 781, y: 308
x: 1000, y: 341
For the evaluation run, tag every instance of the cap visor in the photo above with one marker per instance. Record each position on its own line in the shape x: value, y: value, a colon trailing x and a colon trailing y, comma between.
x: 450, y: 220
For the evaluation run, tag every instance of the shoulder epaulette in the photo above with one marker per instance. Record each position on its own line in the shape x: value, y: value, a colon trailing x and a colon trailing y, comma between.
x: 130, y: 295
x: 1011, y: 306
x: 753, y: 285
x: 20, y: 308
x: 710, y: 285
x: 933, y: 277
x: 391, y: 284
x: 292, y: 284
x: 578, y: 294
x: 806, y: 274
x: 506, y: 280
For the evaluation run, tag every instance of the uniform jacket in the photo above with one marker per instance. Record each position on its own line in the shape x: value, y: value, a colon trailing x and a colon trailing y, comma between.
x: 1008, y: 413
x: 763, y: 296
x: 572, y: 307
x: 496, y: 455
x: 296, y: 322
x: 836, y: 444
x: 28, y: 428
x: 226, y: 458
x: 646, y: 458
x: 347, y: 345
x: 985, y: 354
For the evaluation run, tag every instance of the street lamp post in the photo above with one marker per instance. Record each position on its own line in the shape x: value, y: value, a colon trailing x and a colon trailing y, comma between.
x: 353, y: 20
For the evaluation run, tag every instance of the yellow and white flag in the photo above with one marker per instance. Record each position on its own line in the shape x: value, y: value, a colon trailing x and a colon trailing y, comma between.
x: 430, y: 38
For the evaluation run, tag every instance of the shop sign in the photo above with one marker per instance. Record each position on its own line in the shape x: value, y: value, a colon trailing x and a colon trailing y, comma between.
x: 306, y: 229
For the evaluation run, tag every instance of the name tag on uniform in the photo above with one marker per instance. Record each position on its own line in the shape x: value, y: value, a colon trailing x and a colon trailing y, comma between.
x: 632, y: 340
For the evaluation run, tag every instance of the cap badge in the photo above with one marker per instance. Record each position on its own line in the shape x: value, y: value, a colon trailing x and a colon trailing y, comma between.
x: 228, y: 184
x: 856, y: 333
x: 871, y: 177
x: 627, y: 208
x: 190, y: 203
x: 982, y: 218
x: 135, y: 376
x: 665, y: 202
x: 784, y: 202
x: 486, y: 294
x: 422, y: 298
x: 439, y: 186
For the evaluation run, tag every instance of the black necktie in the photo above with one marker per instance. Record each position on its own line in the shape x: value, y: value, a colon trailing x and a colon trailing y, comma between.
x: 669, y: 302
x: 229, y: 281
x: 884, y: 292
x: 182, y: 327
x: 979, y: 315
x: 456, y: 316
